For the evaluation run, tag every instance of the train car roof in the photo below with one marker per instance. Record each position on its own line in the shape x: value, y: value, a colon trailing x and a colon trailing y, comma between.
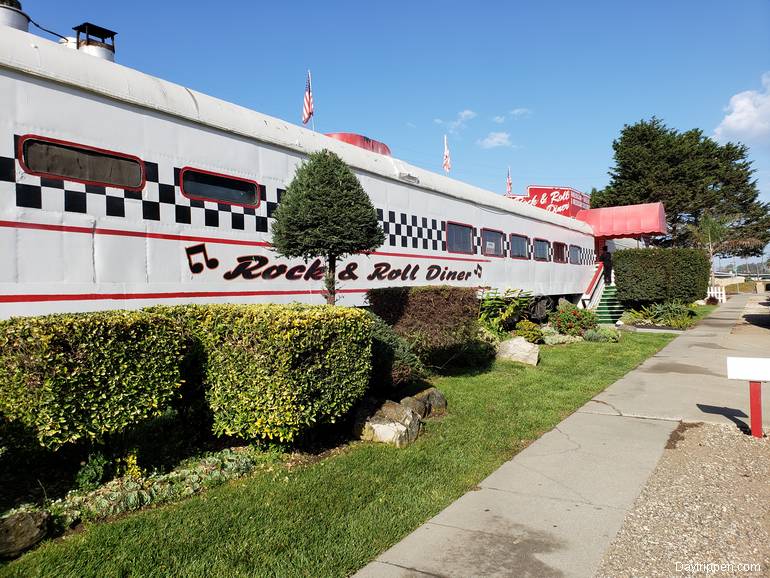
x: 39, y: 57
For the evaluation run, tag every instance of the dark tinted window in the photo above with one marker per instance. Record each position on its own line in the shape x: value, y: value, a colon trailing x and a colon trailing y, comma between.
x: 519, y: 247
x: 492, y: 243
x: 220, y: 188
x: 560, y: 252
x: 542, y: 250
x: 574, y: 254
x: 459, y: 238
x: 71, y: 162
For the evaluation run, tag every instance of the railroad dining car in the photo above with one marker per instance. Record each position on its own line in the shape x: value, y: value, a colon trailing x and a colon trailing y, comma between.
x: 121, y: 190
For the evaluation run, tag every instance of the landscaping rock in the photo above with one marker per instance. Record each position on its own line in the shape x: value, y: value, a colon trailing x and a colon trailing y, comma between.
x: 391, y: 423
x: 434, y: 399
x: 21, y: 531
x: 519, y: 349
x: 417, y: 406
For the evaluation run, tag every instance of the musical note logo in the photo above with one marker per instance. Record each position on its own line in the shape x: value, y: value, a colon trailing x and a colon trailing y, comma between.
x: 196, y: 268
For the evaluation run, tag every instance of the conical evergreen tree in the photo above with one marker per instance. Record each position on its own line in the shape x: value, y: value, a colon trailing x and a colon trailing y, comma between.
x: 325, y: 213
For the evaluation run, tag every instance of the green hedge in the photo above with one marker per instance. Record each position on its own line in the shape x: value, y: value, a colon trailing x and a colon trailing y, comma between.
x: 657, y: 275
x: 66, y: 378
x: 273, y: 371
x: 440, y: 322
x: 393, y: 362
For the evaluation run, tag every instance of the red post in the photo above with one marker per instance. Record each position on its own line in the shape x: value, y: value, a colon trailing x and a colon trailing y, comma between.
x: 755, y: 405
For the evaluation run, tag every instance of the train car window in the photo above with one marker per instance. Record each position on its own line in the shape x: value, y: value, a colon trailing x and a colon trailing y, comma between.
x: 208, y: 186
x: 519, y: 247
x: 559, y: 253
x: 459, y: 238
x: 574, y: 254
x: 492, y: 243
x: 542, y: 250
x: 68, y: 161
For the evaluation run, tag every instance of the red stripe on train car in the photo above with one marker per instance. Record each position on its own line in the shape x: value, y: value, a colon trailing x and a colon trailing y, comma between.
x: 181, y: 295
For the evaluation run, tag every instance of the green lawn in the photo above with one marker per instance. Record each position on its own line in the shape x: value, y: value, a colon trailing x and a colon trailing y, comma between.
x: 332, y: 517
x: 702, y: 311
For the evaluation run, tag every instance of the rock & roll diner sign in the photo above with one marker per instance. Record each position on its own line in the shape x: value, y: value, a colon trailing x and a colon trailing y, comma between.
x: 562, y: 200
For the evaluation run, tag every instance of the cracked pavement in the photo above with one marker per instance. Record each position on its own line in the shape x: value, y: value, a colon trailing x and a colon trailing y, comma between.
x: 554, y: 509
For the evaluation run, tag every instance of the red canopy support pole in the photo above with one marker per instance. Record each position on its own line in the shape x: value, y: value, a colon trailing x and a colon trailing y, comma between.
x: 755, y: 406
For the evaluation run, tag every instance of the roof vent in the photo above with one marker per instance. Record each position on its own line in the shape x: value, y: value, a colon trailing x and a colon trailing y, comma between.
x: 96, y: 41
x: 11, y: 15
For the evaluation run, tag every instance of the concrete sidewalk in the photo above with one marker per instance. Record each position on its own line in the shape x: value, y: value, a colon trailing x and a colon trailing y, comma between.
x: 555, y: 507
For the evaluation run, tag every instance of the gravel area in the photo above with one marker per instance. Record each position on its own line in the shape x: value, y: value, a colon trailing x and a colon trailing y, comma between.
x: 705, y: 507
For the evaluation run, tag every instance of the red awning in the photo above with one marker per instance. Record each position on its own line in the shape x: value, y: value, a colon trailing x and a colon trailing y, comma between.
x: 627, y: 221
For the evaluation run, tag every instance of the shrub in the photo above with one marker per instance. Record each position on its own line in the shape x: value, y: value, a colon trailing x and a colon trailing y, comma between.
x: 657, y: 275
x: 393, y: 361
x: 712, y: 301
x: 602, y: 334
x: 558, y: 339
x: 66, y: 378
x: 501, y: 312
x: 529, y: 331
x: 273, y: 371
x: 93, y: 472
x: 570, y: 320
x: 440, y: 322
x: 673, y: 314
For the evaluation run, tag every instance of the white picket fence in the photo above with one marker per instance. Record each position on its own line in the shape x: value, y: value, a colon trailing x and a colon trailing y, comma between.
x: 718, y: 293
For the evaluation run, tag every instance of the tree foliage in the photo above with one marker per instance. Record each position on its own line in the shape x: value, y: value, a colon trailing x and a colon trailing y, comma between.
x: 692, y: 175
x: 326, y: 213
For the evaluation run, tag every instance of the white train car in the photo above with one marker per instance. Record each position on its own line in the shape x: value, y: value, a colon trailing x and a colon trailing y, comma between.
x: 121, y: 190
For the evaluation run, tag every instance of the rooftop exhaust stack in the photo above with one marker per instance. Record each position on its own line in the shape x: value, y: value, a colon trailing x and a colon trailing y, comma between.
x: 11, y: 15
x: 95, y: 40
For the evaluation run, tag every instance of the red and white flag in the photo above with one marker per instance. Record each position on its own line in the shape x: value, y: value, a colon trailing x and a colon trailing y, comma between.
x: 447, y: 161
x: 508, y: 184
x: 307, y: 105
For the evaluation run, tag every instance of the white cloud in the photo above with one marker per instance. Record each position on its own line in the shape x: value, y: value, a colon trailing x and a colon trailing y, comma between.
x: 748, y: 115
x: 411, y: 125
x: 459, y: 122
x: 520, y: 112
x: 494, y: 140
x: 498, y: 119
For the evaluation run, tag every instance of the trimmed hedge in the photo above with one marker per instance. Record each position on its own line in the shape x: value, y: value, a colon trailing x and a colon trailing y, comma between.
x: 440, y: 322
x: 67, y: 378
x: 273, y: 371
x: 657, y: 275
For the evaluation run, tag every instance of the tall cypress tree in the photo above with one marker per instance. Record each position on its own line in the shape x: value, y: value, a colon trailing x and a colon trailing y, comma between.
x: 692, y: 175
x: 325, y: 213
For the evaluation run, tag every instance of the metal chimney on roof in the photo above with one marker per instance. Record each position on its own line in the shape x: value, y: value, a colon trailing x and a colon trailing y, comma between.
x: 11, y: 15
x: 95, y: 40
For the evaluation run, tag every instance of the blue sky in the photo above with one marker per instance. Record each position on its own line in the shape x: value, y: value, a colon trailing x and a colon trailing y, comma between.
x: 541, y: 86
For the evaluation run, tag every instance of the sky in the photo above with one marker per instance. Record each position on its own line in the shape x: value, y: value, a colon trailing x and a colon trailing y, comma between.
x: 541, y: 86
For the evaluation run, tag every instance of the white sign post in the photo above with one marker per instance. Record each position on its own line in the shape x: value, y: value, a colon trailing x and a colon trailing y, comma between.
x: 755, y: 370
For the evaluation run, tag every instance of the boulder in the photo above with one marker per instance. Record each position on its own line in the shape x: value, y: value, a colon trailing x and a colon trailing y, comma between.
x: 434, y: 399
x: 519, y: 349
x: 417, y: 406
x: 21, y: 531
x: 390, y: 423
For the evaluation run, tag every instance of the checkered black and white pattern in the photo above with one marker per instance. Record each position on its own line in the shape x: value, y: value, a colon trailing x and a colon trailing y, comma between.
x: 411, y: 231
x: 161, y: 200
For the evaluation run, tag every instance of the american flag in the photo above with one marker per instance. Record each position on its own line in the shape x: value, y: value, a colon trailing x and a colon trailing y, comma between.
x: 447, y: 161
x: 508, y: 184
x: 307, y: 105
